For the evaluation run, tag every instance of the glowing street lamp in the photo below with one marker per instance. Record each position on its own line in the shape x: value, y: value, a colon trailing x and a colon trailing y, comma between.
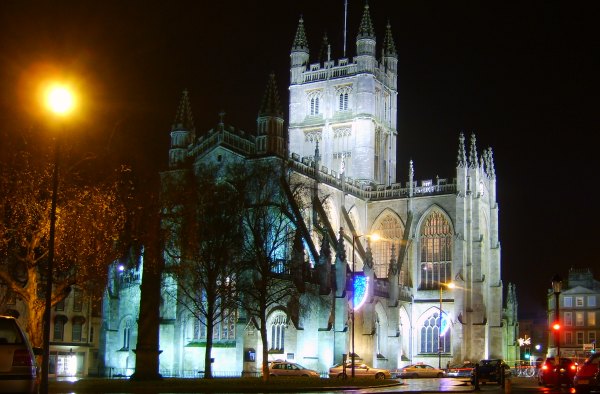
x: 449, y: 285
x: 59, y: 101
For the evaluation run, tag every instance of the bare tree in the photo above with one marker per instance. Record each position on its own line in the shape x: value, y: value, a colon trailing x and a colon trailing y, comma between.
x: 270, y: 231
x: 203, y: 220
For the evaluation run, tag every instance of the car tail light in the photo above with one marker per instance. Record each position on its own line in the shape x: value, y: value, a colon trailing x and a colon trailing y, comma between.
x: 544, y: 367
x: 22, y: 358
x: 573, y: 367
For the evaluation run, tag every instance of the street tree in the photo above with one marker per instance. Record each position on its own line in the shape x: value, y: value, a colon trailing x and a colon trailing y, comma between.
x: 89, y: 220
x: 270, y: 237
x: 202, y: 219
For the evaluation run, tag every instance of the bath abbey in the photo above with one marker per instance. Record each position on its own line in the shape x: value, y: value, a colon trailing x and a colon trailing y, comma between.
x: 391, y: 271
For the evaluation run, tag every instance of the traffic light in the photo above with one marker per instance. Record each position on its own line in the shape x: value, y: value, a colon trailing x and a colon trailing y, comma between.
x: 527, y: 353
x: 556, y: 326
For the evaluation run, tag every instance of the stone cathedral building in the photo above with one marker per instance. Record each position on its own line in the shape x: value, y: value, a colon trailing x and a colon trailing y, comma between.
x: 341, y: 139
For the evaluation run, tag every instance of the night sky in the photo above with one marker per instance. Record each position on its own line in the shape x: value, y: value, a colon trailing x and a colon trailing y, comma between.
x: 522, y: 75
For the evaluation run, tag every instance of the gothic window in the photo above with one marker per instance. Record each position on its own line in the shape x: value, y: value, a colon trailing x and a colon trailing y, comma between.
x: 436, y: 252
x: 126, y: 335
x: 343, y: 102
x: 431, y: 341
x: 277, y: 326
x: 314, y: 106
x: 390, y: 229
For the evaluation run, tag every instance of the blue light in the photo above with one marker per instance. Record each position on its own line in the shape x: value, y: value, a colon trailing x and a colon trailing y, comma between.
x: 444, y: 325
x: 361, y: 287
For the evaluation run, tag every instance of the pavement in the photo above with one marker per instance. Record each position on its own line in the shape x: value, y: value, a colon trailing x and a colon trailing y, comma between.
x: 444, y: 385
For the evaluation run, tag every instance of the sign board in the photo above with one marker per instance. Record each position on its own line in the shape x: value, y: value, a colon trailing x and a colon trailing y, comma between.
x: 588, y: 346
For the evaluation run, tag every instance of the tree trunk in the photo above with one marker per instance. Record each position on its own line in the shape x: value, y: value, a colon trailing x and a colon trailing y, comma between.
x: 147, y: 350
x: 210, y: 327
x: 265, y: 345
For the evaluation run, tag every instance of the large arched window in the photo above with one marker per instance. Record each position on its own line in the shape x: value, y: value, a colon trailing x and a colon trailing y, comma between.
x: 431, y: 341
x: 436, y: 251
x: 389, y: 228
x: 277, y: 325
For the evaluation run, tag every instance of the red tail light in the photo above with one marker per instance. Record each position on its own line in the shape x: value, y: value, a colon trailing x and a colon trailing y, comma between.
x: 573, y: 367
x: 544, y: 367
x: 22, y: 358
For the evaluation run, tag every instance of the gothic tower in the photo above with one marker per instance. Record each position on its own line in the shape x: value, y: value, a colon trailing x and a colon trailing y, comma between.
x: 349, y: 108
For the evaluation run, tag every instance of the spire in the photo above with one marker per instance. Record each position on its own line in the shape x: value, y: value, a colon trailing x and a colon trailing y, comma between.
x: 393, y: 264
x: 491, y: 170
x: 271, y: 106
x: 341, y: 250
x: 368, y: 255
x: 324, y: 52
x: 389, y: 48
x: 366, y: 27
x: 473, y: 160
x: 300, y: 41
x: 461, y: 159
x: 183, y: 118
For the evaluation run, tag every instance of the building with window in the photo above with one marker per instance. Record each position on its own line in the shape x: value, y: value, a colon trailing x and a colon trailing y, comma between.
x: 579, y: 314
x: 389, y: 297
x: 74, y: 329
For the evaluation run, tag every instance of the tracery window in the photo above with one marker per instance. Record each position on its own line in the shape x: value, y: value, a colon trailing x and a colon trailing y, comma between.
x: 436, y: 252
x: 277, y: 326
x: 431, y: 341
x: 390, y: 229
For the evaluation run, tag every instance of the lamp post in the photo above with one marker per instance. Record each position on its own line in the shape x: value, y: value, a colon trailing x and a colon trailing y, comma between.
x: 60, y: 102
x: 450, y: 285
x: 557, y: 288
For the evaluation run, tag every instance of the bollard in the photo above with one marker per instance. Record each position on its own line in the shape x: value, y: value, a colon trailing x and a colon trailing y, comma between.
x: 507, y: 386
x: 476, y: 377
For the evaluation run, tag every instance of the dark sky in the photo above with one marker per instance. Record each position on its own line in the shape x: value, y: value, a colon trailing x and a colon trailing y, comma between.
x: 522, y: 75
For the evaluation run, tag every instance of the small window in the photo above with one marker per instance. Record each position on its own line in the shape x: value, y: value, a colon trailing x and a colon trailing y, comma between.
x: 579, y: 338
x: 591, y: 318
x: 568, y: 302
x: 579, y: 302
x: 568, y: 318
x: 568, y: 338
x: 77, y: 300
x: 591, y: 300
x: 579, y: 319
x: 60, y: 305
x: 76, y: 334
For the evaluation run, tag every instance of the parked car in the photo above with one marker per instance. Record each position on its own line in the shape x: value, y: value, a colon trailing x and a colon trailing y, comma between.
x: 18, y: 368
x: 360, y: 371
x: 463, y: 370
x: 490, y: 370
x: 285, y: 368
x: 421, y: 371
x: 559, y: 374
x: 587, y: 377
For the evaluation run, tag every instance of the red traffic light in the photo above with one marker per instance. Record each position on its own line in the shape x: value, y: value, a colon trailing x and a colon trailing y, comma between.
x: 556, y: 326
